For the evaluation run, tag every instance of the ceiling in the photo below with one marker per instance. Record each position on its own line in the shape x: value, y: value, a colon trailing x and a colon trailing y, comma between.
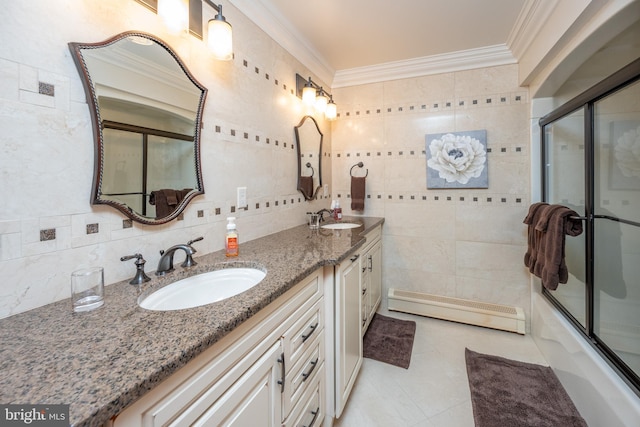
x: 356, y: 34
x: 359, y: 33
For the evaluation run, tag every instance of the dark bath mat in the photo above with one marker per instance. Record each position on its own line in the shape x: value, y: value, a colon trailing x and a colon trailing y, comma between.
x: 506, y: 392
x: 389, y: 340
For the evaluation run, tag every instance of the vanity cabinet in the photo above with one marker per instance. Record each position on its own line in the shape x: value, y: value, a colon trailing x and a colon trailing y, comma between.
x: 371, y: 276
x: 356, y: 286
x: 348, y: 329
x: 267, y: 372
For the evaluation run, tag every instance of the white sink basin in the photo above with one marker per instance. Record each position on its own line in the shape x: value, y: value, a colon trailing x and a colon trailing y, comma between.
x: 341, y: 225
x: 202, y: 289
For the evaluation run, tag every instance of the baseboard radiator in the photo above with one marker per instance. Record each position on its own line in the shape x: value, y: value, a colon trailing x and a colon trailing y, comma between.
x: 489, y: 315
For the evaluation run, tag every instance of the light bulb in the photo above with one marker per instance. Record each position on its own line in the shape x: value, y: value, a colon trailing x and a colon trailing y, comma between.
x: 175, y: 14
x: 220, y: 38
x: 332, y: 110
x: 309, y: 94
x: 321, y: 102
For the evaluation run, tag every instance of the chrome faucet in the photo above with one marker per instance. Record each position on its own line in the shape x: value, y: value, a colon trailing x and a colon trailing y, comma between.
x: 321, y: 212
x: 165, y: 265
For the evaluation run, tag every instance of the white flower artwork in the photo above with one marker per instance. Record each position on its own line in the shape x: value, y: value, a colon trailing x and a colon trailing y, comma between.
x: 624, y: 157
x: 457, y: 160
x: 627, y: 153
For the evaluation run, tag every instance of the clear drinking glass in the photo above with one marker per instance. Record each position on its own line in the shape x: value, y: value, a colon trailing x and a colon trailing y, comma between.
x: 314, y: 221
x: 87, y: 289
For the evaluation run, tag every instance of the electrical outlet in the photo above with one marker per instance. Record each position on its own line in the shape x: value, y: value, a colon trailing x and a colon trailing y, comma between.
x: 242, y: 197
x: 325, y: 190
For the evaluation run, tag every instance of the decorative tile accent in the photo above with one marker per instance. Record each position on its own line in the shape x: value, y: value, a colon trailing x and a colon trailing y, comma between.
x: 127, y: 223
x: 217, y: 211
x: 200, y: 213
x: 93, y: 228
x: 47, y: 234
x: 233, y: 209
x: 181, y: 217
x: 46, y: 89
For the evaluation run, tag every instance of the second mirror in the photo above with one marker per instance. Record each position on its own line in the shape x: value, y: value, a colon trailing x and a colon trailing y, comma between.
x: 309, y: 143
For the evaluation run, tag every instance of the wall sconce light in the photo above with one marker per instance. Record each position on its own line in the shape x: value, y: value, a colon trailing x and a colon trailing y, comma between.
x: 314, y: 95
x: 220, y: 35
x: 180, y: 15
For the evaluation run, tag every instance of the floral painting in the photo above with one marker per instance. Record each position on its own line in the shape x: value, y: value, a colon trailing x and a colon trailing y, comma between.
x: 457, y: 160
x: 625, y: 156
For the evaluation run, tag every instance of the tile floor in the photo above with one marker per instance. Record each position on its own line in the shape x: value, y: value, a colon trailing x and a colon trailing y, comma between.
x: 434, y: 391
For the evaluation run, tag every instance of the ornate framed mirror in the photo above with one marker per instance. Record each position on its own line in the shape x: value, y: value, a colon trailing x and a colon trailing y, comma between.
x: 146, y: 110
x: 309, y: 144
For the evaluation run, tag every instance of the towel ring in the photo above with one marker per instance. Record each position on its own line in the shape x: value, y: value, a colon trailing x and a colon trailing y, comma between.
x: 359, y: 164
x: 309, y: 166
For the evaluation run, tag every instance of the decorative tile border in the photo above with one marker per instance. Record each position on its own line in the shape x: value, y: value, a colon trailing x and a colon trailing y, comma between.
x: 434, y: 106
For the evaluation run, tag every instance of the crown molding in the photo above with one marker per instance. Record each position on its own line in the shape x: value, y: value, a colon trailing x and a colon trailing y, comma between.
x: 435, y: 64
x: 265, y: 16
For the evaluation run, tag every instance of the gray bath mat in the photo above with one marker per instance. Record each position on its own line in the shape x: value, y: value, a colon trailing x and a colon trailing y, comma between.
x: 389, y: 340
x: 506, y: 392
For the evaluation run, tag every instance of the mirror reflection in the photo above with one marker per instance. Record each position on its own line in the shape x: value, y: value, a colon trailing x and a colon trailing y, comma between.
x: 309, y: 143
x: 146, y: 110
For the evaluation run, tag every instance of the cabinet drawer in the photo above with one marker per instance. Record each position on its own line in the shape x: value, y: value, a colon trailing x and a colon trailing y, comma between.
x: 302, y: 334
x: 310, y: 410
x: 304, y: 373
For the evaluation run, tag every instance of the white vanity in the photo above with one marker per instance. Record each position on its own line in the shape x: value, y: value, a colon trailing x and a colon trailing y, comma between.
x: 286, y: 352
x: 357, y: 286
x: 292, y: 364
x: 267, y: 372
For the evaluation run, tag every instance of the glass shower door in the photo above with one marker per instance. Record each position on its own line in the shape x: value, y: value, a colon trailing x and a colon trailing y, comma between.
x: 565, y: 185
x: 616, y: 320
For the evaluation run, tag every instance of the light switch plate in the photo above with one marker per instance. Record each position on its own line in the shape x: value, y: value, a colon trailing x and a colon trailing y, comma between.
x: 242, y: 197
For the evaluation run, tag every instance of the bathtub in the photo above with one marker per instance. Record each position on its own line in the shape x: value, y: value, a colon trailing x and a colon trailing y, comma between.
x: 600, y: 395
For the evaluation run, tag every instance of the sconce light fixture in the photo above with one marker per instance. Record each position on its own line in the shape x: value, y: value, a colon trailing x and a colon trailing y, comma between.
x: 220, y: 36
x: 314, y: 95
x: 182, y: 15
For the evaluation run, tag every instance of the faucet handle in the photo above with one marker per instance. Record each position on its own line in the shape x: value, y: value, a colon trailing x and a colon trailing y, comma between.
x: 197, y: 239
x: 140, y: 276
x: 188, y: 261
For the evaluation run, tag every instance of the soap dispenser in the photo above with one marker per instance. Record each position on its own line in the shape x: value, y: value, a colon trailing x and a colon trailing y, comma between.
x: 231, y: 242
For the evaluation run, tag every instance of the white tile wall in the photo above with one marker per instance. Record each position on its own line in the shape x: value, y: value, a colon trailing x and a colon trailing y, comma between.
x: 46, y: 147
x: 466, y: 243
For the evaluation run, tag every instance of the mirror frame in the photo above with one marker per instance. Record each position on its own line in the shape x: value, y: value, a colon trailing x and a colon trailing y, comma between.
x: 90, y: 92
x: 297, y: 133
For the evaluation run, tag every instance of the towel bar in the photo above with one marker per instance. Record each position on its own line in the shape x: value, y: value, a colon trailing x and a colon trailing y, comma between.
x: 359, y: 164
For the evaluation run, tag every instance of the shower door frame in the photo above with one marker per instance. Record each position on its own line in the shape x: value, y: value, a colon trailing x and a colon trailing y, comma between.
x: 586, y: 102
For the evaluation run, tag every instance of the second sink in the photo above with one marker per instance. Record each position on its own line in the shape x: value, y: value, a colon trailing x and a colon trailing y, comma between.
x: 341, y: 225
x: 202, y: 289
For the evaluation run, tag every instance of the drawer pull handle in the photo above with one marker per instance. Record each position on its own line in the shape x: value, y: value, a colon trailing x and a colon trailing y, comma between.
x: 315, y: 417
x: 355, y: 257
x: 284, y: 374
x: 370, y: 263
x: 306, y: 375
x: 313, y: 329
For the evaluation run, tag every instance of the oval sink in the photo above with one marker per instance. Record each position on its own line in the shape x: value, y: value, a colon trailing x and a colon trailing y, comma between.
x: 341, y: 225
x: 202, y: 289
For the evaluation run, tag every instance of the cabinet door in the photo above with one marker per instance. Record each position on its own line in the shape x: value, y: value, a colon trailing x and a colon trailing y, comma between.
x: 253, y: 401
x: 374, y: 265
x: 348, y: 329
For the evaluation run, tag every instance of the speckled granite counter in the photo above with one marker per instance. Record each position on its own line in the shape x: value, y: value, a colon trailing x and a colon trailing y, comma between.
x: 100, y: 362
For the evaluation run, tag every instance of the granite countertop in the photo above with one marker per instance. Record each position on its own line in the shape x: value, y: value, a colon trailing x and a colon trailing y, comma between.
x: 100, y: 362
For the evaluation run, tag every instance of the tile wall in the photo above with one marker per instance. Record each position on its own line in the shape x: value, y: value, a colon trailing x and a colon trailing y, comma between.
x: 465, y: 243
x: 47, y: 226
